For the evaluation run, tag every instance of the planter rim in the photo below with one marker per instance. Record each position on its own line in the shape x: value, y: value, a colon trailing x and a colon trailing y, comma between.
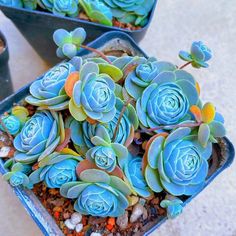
x: 85, y: 21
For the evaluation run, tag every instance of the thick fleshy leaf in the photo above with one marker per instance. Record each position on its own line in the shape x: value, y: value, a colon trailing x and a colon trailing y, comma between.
x: 217, y: 129
x: 94, y: 176
x: 208, y: 113
x: 70, y: 83
x: 204, y: 134
x: 61, y: 36
x: 65, y: 187
x: 75, y: 191
x: 119, y: 184
x: 196, y: 111
x: 153, y: 179
x: 77, y: 112
x: 114, y: 72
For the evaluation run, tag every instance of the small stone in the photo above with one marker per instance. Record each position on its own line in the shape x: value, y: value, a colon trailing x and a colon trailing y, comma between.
x: 4, y: 151
x: 133, y: 200
x: 145, y: 214
x: 79, y: 228
x: 122, y: 221
x: 69, y: 224
x: 142, y: 201
x: 76, y: 218
x: 95, y: 234
x: 137, y: 212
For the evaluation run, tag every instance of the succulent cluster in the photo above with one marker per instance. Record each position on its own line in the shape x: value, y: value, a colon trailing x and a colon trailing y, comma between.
x: 102, y: 11
x: 108, y: 128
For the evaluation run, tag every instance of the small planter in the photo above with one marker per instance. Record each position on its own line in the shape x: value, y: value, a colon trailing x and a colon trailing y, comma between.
x: 5, y: 80
x: 222, y: 157
x: 38, y: 27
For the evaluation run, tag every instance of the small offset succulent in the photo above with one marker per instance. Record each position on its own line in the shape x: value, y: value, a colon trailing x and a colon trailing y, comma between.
x: 167, y: 100
x: 56, y: 170
x: 132, y: 168
x: 18, y: 176
x: 97, y: 11
x: 98, y: 194
x: 132, y: 11
x: 178, y: 164
x: 82, y: 132
x: 11, y: 124
x: 61, y: 7
x: 173, y: 205
x: 106, y: 154
x: 39, y: 137
x: 198, y: 56
x: 69, y: 43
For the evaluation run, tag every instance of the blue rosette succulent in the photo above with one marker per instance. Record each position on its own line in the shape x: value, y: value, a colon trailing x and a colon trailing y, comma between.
x: 11, y: 123
x: 18, y: 176
x: 56, y: 170
x: 173, y: 205
x: 39, y: 137
x: 167, y: 100
x: 49, y: 92
x: 93, y: 96
x: 69, y: 43
x: 132, y: 11
x: 82, y: 132
x: 198, y: 56
x: 98, y: 194
x: 178, y: 164
x: 61, y: 7
x: 132, y: 168
x: 97, y: 11
x: 12, y: 3
x: 106, y: 154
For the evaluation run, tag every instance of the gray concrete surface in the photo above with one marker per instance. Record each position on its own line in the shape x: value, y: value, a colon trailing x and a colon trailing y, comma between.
x: 175, y: 25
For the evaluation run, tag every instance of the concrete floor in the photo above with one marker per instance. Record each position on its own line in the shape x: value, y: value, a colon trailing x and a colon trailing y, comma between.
x: 175, y: 25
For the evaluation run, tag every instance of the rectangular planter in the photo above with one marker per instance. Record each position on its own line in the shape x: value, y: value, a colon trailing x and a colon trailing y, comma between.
x: 224, y: 152
x: 38, y: 27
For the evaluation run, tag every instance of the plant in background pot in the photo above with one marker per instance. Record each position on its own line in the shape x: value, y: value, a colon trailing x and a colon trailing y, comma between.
x: 104, y: 155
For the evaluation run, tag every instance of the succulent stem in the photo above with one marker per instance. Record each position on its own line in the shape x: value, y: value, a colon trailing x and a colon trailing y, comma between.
x: 101, y: 54
x: 65, y: 141
x: 120, y: 117
x: 190, y: 125
x: 5, y: 129
x: 184, y: 65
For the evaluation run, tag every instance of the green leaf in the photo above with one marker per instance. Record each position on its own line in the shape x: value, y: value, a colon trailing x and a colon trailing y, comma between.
x: 94, y: 176
x: 120, y: 185
x: 114, y: 72
x: 204, y: 134
x: 217, y: 129
x: 153, y: 179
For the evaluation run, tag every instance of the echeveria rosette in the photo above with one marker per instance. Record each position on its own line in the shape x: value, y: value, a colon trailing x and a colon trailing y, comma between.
x: 167, y: 100
x: 132, y: 11
x: 56, y: 170
x: 198, y: 56
x: 49, y: 92
x: 93, y: 95
x: 132, y: 168
x: 173, y: 205
x: 143, y: 75
x: 178, y: 164
x: 82, y: 132
x: 12, y: 3
x: 106, y: 154
x: 69, y: 43
x: 18, y: 176
x: 97, y: 11
x: 98, y: 194
x: 39, y: 137
x: 11, y: 123
x: 61, y: 7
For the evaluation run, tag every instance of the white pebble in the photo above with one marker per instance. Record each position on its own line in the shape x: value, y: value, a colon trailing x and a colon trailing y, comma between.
x: 137, y: 212
x: 69, y: 224
x: 95, y: 234
x: 76, y: 218
x: 79, y: 228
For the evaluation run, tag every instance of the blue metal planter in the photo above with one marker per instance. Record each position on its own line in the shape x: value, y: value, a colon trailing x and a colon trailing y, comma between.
x: 38, y: 27
x: 109, y: 41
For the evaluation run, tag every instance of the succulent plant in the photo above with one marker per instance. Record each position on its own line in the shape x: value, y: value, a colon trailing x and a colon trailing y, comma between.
x: 131, y: 11
x: 143, y: 75
x: 30, y: 4
x: 105, y: 153
x: 198, y: 56
x: 97, y: 11
x: 21, y: 113
x: 18, y: 176
x: 38, y: 138
x: 82, y: 132
x: 167, y: 100
x: 11, y: 123
x: 98, y: 194
x: 177, y: 164
x: 92, y: 95
x: 49, y: 92
x: 211, y: 124
x: 61, y: 7
x: 173, y: 205
x: 56, y: 170
x: 69, y: 42
x: 13, y: 3
x: 132, y: 168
